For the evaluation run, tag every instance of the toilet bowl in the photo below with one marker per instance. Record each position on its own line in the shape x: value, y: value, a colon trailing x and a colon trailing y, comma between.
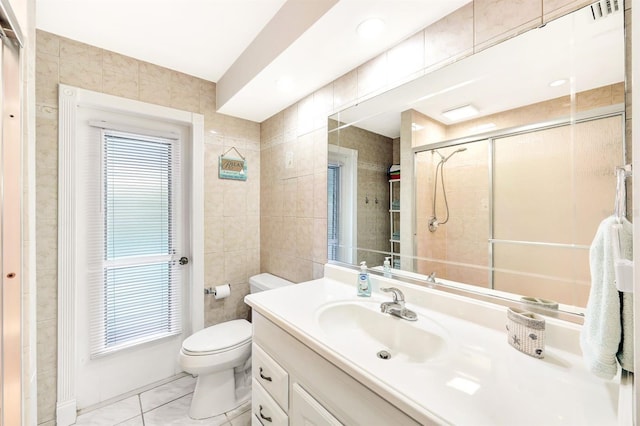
x: 220, y: 355
x: 214, y: 354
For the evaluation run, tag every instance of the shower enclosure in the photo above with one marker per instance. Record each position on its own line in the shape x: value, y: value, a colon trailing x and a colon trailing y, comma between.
x: 11, y: 220
x: 522, y: 206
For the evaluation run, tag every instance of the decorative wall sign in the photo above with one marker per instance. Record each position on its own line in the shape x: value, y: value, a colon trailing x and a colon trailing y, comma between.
x: 232, y: 167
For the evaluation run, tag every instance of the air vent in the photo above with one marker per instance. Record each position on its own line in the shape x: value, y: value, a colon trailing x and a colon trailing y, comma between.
x: 604, y: 8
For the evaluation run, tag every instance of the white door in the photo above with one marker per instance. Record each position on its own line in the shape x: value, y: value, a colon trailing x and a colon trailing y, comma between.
x: 132, y: 232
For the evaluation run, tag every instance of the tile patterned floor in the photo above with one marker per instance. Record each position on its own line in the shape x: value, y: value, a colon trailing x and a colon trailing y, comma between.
x: 165, y: 405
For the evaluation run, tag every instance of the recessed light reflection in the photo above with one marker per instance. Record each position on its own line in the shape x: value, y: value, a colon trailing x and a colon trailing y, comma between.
x: 460, y: 113
x: 557, y: 83
x: 463, y: 385
x: 415, y: 127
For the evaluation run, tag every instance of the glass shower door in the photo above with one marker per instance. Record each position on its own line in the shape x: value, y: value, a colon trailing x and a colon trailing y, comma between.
x: 11, y: 345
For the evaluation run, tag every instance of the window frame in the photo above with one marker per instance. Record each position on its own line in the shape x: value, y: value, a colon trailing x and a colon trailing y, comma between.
x: 101, y: 344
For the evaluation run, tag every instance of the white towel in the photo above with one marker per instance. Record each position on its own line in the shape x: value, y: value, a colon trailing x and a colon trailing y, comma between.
x: 607, y: 333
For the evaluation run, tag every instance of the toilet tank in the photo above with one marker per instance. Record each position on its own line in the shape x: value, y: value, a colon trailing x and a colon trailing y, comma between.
x: 265, y: 281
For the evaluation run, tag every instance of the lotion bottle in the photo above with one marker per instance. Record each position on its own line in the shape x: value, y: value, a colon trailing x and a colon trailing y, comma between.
x: 364, y: 285
x: 387, y: 267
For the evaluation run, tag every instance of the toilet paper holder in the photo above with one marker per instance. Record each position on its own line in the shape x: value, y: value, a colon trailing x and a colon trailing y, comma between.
x: 212, y: 290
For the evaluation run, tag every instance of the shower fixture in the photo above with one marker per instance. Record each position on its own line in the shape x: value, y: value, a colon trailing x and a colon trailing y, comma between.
x: 434, y: 222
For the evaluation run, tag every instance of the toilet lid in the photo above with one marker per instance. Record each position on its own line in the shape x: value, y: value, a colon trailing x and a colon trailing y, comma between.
x: 219, y: 337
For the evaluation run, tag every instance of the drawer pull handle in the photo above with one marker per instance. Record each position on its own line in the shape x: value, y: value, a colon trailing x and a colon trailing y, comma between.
x: 262, y: 416
x: 263, y: 377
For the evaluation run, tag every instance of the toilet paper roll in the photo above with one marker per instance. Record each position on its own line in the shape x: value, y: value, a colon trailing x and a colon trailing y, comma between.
x: 222, y: 291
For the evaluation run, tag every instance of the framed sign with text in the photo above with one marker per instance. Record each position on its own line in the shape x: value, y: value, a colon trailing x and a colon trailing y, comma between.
x: 232, y: 167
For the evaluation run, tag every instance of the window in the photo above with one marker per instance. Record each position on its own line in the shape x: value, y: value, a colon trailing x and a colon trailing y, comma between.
x: 137, y: 294
x: 333, y: 199
x: 342, y: 176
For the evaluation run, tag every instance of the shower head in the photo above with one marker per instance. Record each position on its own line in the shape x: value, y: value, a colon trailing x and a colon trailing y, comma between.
x: 444, y: 159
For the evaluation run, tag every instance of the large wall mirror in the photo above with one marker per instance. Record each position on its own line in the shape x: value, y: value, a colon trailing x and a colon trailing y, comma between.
x: 493, y: 173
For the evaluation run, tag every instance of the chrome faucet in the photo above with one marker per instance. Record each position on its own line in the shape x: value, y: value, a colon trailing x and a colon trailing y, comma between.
x: 431, y: 278
x: 397, y: 307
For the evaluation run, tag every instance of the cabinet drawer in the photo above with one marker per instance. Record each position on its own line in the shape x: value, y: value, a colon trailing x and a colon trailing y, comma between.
x: 273, y: 378
x: 305, y: 410
x: 264, y: 409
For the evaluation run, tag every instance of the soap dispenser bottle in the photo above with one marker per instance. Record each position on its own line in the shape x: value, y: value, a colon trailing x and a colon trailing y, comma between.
x: 387, y: 267
x: 364, y: 285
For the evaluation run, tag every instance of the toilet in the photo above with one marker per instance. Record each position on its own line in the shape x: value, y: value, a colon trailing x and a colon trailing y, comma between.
x: 220, y: 356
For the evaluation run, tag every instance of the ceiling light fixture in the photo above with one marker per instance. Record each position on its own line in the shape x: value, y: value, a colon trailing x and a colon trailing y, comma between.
x: 557, y: 83
x: 370, y: 28
x: 457, y: 114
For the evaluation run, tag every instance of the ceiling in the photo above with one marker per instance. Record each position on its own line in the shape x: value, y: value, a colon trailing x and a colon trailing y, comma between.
x: 245, y: 46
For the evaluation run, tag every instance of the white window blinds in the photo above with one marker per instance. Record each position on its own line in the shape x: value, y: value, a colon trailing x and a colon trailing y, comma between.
x: 136, y: 297
x: 333, y: 202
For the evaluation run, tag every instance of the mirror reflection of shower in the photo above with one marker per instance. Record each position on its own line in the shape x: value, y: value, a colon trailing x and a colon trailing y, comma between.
x: 434, y: 222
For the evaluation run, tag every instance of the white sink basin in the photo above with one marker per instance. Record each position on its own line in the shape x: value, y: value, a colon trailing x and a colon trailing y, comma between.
x: 362, y: 330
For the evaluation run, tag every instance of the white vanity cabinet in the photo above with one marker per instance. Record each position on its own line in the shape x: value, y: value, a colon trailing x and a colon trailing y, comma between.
x: 452, y: 366
x: 317, y: 392
x: 264, y: 409
x: 269, y: 390
x: 305, y: 410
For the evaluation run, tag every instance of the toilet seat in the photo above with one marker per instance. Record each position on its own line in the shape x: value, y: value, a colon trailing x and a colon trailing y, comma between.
x: 218, y: 338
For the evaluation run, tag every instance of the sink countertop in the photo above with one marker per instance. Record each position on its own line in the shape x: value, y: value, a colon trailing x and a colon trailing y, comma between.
x: 477, y: 379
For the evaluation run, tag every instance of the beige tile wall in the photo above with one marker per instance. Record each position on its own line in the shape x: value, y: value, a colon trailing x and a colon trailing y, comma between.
x: 232, y: 208
x: 294, y: 196
x: 468, y: 30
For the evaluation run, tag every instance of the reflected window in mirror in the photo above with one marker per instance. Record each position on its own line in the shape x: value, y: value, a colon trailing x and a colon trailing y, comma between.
x: 342, y: 210
x: 333, y: 216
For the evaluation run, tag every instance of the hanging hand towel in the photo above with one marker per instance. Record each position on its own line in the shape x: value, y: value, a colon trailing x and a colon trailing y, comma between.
x: 607, y: 333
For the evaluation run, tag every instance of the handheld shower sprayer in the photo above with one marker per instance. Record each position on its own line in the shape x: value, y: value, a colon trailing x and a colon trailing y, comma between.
x: 453, y: 153
x: 433, y: 220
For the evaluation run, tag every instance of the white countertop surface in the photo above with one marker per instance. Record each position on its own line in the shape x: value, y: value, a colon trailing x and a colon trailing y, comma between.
x: 477, y: 379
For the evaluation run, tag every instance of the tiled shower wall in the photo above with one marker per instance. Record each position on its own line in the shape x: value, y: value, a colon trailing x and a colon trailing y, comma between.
x: 296, y: 249
x: 232, y: 208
